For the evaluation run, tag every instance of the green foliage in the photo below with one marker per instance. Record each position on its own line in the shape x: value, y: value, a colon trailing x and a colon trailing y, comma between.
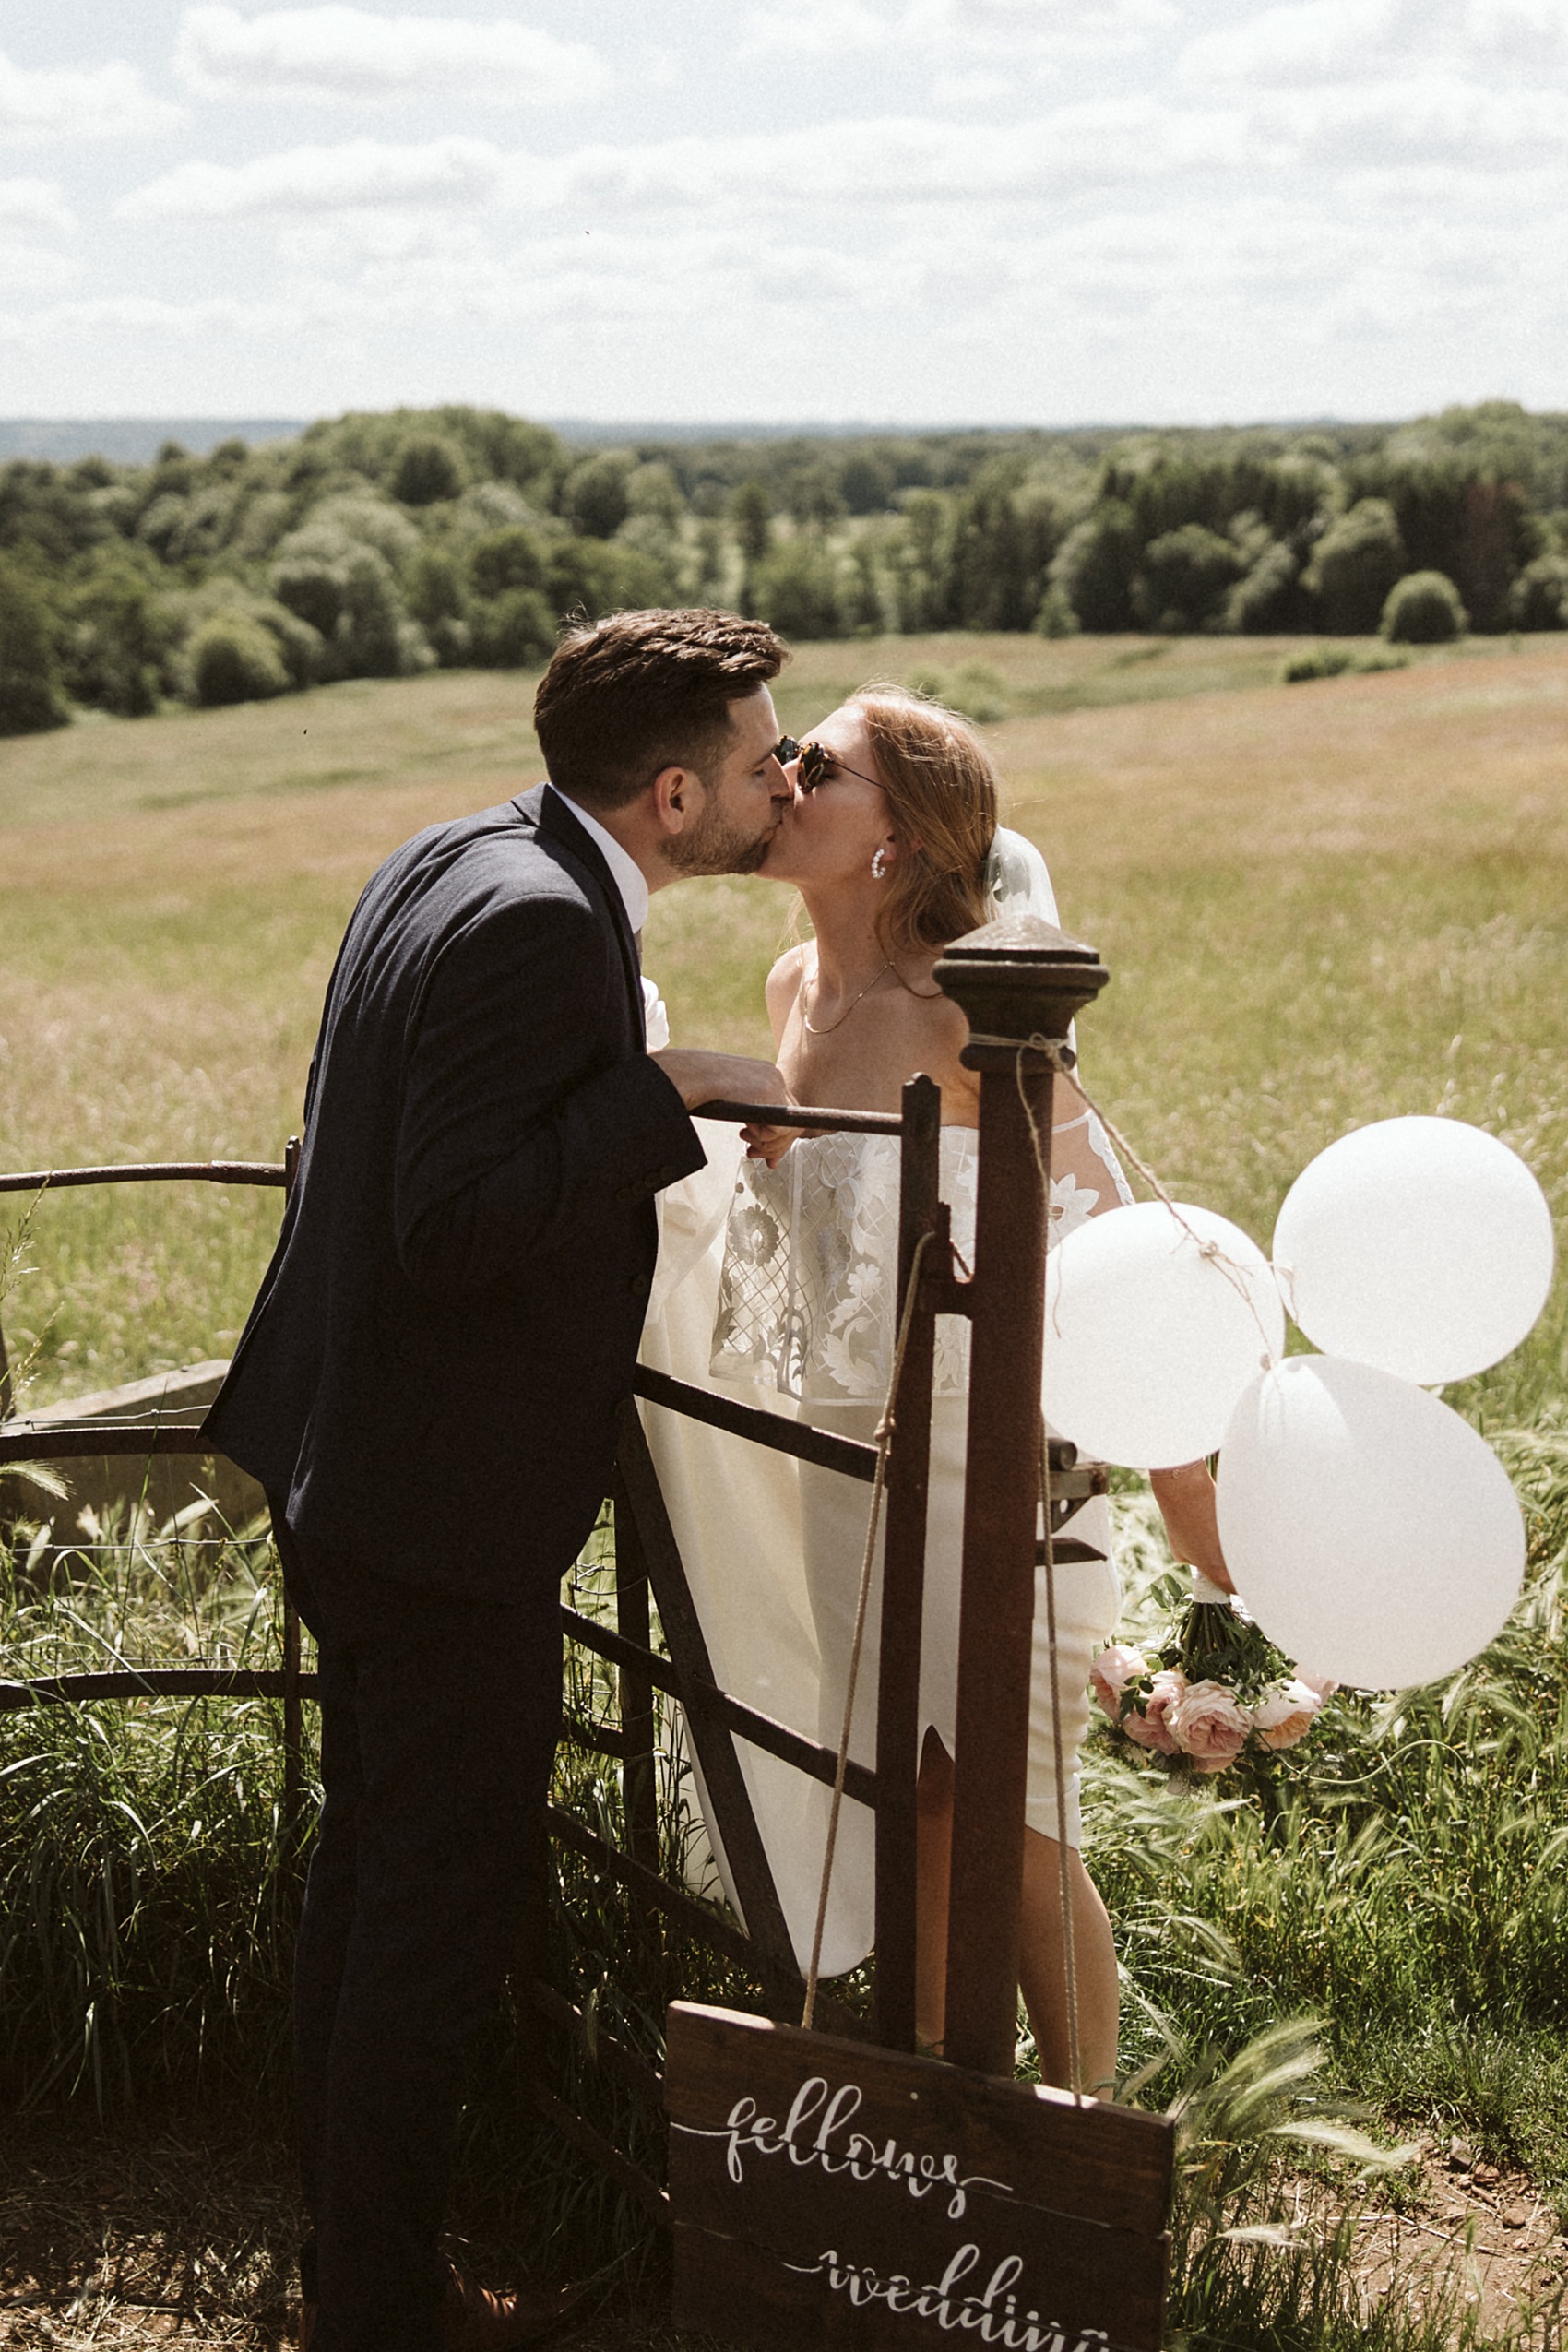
x: 233, y: 659
x: 512, y: 558
x: 1424, y: 608
x: 750, y: 510
x: 594, y: 498
x: 1334, y: 661
x: 1184, y: 577
x: 429, y: 468
x: 30, y: 700
x: 513, y: 630
x: 796, y: 588
x: 1354, y: 565
x: 1538, y: 597
x: 1268, y: 601
x: 1096, y: 566
x: 117, y: 634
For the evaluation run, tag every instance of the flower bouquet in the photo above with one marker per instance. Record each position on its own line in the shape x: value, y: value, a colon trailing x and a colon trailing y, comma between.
x: 1215, y: 1689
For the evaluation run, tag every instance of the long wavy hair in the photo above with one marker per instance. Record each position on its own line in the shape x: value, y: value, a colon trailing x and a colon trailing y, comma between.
x: 942, y: 791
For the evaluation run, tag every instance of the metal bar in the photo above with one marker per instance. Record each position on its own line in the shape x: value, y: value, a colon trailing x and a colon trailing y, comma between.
x: 25, y: 1441
x: 1001, y: 1502
x: 634, y: 1624
x: 903, y: 1581
x: 603, y: 2152
x: 616, y: 2056
x: 151, y: 1682
x: 743, y: 1849
x: 198, y: 1172
x: 763, y: 1730
x: 782, y: 1981
x: 849, y: 1455
x: 800, y: 1114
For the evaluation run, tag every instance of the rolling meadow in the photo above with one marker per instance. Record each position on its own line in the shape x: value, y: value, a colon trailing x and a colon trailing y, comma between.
x: 1321, y: 904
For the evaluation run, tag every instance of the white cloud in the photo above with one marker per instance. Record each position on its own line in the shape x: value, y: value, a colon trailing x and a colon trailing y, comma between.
x: 348, y: 54
x: 898, y: 159
x: 1438, y: 118
x: 1322, y: 41
x: 107, y: 102
x: 1015, y: 29
x: 322, y: 179
x: 33, y: 203
x: 143, y: 315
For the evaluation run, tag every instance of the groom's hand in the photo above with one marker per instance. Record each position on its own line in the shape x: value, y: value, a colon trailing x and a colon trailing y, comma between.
x: 721, y: 1077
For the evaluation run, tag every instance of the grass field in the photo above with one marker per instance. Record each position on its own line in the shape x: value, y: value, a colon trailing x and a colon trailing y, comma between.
x: 1319, y: 904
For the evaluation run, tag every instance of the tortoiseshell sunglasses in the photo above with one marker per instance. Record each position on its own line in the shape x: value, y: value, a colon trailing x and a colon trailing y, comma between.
x: 818, y: 764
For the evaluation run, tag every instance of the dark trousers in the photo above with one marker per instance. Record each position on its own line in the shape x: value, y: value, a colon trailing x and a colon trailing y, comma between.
x: 439, y: 1719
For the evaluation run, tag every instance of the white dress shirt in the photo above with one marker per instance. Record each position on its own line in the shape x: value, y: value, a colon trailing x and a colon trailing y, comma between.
x: 628, y: 878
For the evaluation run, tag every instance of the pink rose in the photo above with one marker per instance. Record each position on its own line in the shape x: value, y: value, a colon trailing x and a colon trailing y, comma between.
x: 1285, y: 1715
x: 1209, y: 1726
x: 1112, y: 1672
x: 1323, y: 1685
x: 1151, y: 1727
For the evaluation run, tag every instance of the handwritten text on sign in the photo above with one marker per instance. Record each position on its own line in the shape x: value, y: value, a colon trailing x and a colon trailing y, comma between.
x: 884, y: 2200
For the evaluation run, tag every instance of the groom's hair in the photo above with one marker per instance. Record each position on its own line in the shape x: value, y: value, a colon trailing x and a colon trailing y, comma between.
x: 640, y: 692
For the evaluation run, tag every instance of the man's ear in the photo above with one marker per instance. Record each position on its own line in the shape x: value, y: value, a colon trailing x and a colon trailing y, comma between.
x: 677, y: 797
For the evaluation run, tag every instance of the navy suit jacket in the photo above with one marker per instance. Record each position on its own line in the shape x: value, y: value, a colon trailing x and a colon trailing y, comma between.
x: 432, y: 1371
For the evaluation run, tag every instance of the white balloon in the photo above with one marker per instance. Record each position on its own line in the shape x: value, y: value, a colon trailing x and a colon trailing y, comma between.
x: 1420, y: 1246
x: 1371, y: 1533
x: 1148, y: 1340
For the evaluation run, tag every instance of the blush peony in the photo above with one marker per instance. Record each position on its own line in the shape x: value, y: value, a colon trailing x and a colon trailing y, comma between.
x: 1209, y: 1726
x: 1287, y: 1714
x: 1151, y: 1727
x: 1112, y: 1672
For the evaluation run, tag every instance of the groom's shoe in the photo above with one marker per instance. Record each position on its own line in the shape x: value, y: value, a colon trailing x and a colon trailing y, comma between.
x: 475, y: 2320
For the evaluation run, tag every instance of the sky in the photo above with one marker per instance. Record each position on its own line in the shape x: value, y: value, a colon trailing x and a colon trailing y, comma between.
x: 895, y: 211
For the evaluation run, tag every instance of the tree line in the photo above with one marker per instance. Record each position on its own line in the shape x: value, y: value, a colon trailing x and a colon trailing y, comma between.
x: 383, y: 544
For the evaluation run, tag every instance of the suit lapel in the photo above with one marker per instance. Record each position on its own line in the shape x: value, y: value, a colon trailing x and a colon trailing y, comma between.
x: 553, y: 817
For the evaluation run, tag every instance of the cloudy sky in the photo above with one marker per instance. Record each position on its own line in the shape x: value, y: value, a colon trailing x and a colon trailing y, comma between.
x: 916, y: 210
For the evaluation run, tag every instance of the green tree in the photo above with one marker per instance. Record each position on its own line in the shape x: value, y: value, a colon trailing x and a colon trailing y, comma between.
x: 1538, y: 597
x: 750, y: 511
x: 233, y: 659
x: 117, y: 637
x: 1270, y: 598
x: 439, y: 599
x: 1424, y: 608
x: 1184, y: 577
x: 510, y: 558
x: 595, y: 499
x: 1095, y: 567
x: 796, y: 588
x: 1354, y: 565
x: 30, y: 699
x: 429, y: 468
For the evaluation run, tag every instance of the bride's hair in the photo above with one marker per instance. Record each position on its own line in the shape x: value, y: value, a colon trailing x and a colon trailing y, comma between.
x: 941, y: 789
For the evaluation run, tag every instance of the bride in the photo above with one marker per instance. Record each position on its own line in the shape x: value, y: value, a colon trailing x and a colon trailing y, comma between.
x: 893, y: 843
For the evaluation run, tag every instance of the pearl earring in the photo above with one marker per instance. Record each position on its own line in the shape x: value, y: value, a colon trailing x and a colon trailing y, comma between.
x: 879, y: 864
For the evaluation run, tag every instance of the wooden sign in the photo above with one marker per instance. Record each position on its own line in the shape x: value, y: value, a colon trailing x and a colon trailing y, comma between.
x: 830, y: 2193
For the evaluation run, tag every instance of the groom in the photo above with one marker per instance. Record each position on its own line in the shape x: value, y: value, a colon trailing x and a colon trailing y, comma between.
x: 429, y: 1382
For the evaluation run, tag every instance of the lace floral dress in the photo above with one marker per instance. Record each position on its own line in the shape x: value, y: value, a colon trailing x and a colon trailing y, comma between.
x: 806, y: 1313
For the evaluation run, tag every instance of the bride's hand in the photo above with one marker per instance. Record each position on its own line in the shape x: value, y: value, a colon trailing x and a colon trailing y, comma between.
x: 768, y: 1143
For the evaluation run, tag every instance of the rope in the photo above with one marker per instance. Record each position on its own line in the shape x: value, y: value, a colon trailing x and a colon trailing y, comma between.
x: 884, y: 1439
x: 1063, y: 1851
x: 1050, y: 1048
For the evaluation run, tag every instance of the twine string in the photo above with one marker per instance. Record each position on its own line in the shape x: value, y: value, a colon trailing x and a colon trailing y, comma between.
x: 1050, y: 1048
x: 884, y: 1439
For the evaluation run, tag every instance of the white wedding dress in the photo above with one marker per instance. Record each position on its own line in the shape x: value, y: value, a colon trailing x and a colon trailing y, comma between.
x: 780, y: 1285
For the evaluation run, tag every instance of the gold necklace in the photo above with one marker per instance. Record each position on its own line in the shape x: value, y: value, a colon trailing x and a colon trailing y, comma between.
x: 812, y: 1031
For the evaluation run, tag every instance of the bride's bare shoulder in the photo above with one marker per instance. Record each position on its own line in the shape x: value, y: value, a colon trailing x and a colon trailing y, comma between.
x: 784, y: 980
